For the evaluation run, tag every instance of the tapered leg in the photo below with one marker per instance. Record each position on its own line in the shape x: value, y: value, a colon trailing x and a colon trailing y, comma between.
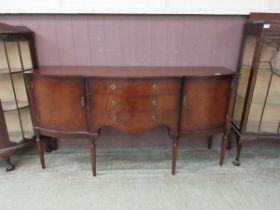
x: 174, y: 152
x: 40, y: 149
x: 223, y: 149
x: 93, y: 157
x: 236, y: 162
x: 9, y: 165
x: 210, y: 142
x: 174, y: 157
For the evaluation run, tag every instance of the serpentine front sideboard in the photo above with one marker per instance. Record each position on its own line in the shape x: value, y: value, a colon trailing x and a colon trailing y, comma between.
x: 79, y: 101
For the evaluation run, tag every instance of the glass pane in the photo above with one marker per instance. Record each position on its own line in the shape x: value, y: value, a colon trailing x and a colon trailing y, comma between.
x: 26, y: 123
x: 25, y: 54
x: 3, y: 60
x: 264, y: 115
x: 19, y: 85
x: 246, y: 63
x: 6, y: 91
x: 13, y: 55
x: 13, y: 126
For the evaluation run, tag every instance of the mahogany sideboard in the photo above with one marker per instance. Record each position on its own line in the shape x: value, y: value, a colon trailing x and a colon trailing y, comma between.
x: 79, y: 101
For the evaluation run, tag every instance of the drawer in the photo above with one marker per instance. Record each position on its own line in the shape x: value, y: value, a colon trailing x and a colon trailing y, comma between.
x: 133, y: 86
x: 111, y: 102
x: 133, y: 122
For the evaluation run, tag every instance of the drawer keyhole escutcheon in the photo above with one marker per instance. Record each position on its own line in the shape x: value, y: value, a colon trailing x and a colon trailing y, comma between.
x: 114, y: 117
x: 114, y: 102
x: 113, y: 86
x: 155, y: 86
x: 154, y: 117
x: 154, y: 102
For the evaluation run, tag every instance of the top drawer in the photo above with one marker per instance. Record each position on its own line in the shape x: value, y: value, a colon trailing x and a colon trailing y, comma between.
x: 133, y: 86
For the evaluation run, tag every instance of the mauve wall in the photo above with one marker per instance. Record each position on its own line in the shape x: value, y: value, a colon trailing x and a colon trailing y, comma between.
x: 135, y: 40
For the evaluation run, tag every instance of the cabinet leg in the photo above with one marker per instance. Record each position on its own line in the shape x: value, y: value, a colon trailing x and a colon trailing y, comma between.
x: 93, y: 157
x: 236, y: 162
x: 9, y: 165
x: 174, y: 155
x: 210, y: 138
x: 40, y: 149
x: 223, y: 149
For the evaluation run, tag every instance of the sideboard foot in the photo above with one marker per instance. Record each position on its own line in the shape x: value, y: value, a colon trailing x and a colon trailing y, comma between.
x: 174, y: 157
x: 174, y: 152
x: 93, y: 157
x: 40, y: 149
x: 223, y: 149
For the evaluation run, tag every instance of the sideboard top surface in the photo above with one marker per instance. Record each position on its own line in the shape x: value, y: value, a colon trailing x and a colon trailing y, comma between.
x: 131, y: 71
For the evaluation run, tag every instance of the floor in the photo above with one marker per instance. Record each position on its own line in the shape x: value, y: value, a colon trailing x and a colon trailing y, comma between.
x: 140, y: 179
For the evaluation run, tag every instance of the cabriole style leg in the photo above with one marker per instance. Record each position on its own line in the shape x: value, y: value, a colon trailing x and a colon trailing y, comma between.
x: 40, y: 149
x: 9, y: 165
x: 223, y: 149
x: 93, y: 157
x: 236, y: 162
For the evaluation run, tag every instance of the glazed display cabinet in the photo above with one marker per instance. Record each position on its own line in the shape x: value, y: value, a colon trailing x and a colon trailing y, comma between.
x: 17, y: 55
x: 256, y: 113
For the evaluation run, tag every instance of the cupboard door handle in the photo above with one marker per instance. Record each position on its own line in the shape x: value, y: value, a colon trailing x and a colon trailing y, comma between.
x: 83, y: 101
x: 184, y: 100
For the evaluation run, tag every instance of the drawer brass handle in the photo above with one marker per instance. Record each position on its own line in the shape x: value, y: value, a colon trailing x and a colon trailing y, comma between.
x: 114, y: 117
x: 113, y: 86
x: 155, y: 86
x: 114, y: 102
x: 154, y: 117
x: 154, y: 102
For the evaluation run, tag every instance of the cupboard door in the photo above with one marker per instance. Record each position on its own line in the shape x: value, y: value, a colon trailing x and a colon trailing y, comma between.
x: 205, y: 102
x: 58, y: 103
